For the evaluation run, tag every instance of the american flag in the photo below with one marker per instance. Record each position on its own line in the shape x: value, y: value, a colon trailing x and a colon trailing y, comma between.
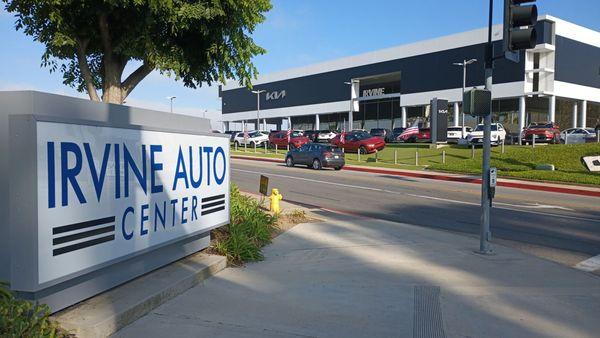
x: 412, y: 130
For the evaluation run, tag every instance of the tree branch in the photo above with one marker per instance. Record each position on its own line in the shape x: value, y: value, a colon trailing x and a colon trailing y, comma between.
x: 84, y: 67
x: 134, y: 78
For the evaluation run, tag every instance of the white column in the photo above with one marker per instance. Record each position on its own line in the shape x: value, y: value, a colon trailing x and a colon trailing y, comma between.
x: 289, y: 121
x: 456, y: 113
x: 574, y: 119
x: 244, y: 125
x: 583, y: 115
x: 317, y: 122
x: 264, y: 125
x: 552, y: 108
x: 521, y: 116
x: 403, y: 117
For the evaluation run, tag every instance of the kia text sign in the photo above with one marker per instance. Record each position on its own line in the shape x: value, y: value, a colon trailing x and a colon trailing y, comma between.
x: 105, y: 193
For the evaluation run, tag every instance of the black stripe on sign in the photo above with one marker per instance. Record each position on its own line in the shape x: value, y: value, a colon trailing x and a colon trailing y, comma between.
x: 212, y: 198
x: 82, y: 245
x: 82, y: 225
x: 213, y: 204
x: 210, y: 211
x: 69, y: 238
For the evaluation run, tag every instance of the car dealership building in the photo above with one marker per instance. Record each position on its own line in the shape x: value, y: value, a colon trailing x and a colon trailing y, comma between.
x: 558, y: 80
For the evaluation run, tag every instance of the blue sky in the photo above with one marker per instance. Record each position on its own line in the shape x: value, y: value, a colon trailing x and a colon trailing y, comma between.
x: 296, y: 33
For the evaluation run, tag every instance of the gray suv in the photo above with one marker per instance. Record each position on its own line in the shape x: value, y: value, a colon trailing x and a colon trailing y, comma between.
x: 316, y: 155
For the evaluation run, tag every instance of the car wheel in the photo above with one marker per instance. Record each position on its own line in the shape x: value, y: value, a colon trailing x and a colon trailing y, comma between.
x: 316, y: 165
x: 556, y: 139
x: 362, y: 150
x: 338, y: 168
x: 289, y: 161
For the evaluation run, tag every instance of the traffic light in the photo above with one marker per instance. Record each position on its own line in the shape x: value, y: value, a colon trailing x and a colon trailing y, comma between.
x: 519, y: 22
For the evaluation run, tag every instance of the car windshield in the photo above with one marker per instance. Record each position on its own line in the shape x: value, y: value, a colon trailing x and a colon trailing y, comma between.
x: 362, y: 135
x: 377, y: 132
x: 454, y: 128
x: 480, y: 127
x: 296, y: 134
x: 540, y: 125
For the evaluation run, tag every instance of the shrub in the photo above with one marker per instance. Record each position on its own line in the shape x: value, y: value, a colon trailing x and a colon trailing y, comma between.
x: 21, y: 318
x: 249, y: 230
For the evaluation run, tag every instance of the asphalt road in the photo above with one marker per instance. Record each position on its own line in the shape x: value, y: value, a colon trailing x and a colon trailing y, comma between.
x: 562, y: 227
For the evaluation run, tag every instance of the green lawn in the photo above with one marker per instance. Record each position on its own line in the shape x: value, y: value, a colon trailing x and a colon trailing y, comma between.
x: 517, y: 161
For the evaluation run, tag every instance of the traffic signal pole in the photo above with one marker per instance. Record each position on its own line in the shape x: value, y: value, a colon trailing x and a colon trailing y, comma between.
x: 486, y: 199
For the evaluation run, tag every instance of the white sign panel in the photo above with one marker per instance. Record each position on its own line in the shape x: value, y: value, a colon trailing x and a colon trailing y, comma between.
x: 105, y: 193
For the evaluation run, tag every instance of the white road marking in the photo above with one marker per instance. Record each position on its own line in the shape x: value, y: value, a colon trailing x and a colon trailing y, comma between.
x: 503, y: 206
x: 590, y: 264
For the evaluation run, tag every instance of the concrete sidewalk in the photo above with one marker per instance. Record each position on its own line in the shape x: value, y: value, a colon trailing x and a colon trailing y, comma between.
x: 360, y: 277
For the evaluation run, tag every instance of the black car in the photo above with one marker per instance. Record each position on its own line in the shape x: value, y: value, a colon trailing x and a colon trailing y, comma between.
x: 312, y: 135
x: 384, y: 133
x: 317, y: 156
x: 231, y: 134
x: 396, y: 132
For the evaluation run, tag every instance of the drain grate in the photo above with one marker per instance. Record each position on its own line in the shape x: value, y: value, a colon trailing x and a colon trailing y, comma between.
x: 428, y: 321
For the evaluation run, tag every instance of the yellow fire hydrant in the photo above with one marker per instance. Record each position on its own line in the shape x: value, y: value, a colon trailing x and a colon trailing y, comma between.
x: 275, y: 198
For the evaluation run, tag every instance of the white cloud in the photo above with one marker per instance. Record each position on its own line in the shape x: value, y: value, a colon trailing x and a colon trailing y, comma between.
x: 211, y: 113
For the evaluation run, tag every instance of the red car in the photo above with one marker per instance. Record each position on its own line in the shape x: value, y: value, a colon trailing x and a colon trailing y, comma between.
x: 424, y: 135
x: 281, y: 139
x: 353, y: 141
x: 548, y: 132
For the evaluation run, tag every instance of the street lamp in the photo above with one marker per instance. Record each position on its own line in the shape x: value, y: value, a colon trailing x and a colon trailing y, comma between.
x: 350, y: 119
x: 464, y: 64
x: 171, y: 98
x: 257, y: 92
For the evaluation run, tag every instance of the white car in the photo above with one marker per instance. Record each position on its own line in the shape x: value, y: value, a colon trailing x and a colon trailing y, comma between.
x: 325, y: 135
x: 251, y: 138
x: 577, y: 135
x: 456, y: 133
x: 498, y: 134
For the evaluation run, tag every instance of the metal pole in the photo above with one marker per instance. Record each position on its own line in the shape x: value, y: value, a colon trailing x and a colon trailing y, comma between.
x: 462, y: 130
x: 472, y: 151
x: 417, y: 157
x: 258, y: 110
x: 486, y: 201
x: 276, y: 151
x: 503, y: 147
x: 376, y: 155
x: 395, y: 156
x: 265, y: 147
x: 533, y: 141
x: 443, y: 157
x: 358, y: 156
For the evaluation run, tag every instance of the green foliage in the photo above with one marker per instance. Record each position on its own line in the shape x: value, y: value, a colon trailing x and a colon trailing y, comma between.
x: 196, y: 40
x: 250, y: 229
x: 20, y: 318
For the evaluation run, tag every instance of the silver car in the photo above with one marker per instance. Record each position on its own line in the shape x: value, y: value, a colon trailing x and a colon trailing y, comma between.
x: 577, y: 135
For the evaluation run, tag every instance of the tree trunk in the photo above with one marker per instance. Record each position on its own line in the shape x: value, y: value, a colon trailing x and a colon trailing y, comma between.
x: 112, y: 91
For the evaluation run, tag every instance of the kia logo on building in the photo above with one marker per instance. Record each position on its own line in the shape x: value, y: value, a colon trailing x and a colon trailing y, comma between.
x: 373, y: 92
x: 276, y: 95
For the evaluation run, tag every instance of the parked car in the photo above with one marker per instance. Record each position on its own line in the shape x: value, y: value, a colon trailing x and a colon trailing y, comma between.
x: 312, y: 135
x: 251, y: 138
x: 361, y: 140
x: 232, y: 134
x: 424, y: 135
x: 281, y: 140
x: 326, y: 135
x: 456, y: 133
x: 498, y: 134
x: 316, y: 155
x: 542, y: 131
x: 396, y: 133
x: 578, y: 135
x: 384, y: 133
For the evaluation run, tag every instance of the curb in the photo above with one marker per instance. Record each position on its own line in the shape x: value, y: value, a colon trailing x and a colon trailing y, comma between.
x: 108, y: 312
x: 441, y: 177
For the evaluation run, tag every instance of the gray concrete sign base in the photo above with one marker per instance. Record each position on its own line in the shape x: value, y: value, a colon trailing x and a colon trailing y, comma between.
x: 108, y: 312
